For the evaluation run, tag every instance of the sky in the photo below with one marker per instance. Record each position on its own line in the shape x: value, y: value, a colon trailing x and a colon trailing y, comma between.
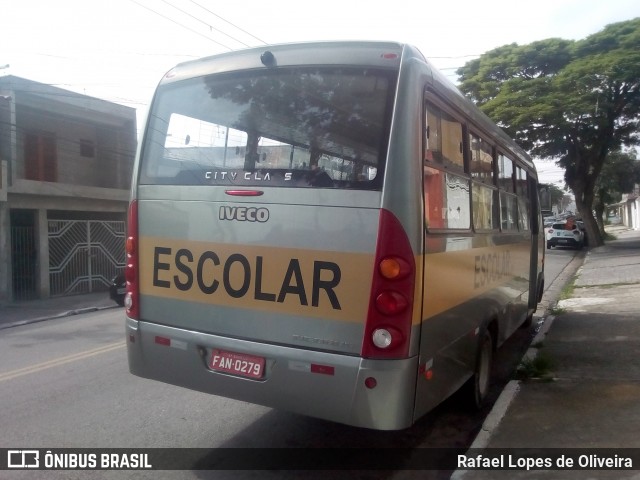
x: 118, y: 50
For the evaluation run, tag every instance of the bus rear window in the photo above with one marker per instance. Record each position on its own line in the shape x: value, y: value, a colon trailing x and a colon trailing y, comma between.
x: 296, y: 127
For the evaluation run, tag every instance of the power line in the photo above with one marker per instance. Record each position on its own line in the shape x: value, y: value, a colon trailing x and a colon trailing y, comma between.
x: 205, y: 23
x: 181, y: 25
x: 227, y: 21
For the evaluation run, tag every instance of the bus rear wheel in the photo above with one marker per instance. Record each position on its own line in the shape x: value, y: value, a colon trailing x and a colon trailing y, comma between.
x: 477, y: 387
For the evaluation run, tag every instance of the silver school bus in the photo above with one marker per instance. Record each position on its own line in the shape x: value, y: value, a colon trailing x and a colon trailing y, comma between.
x: 330, y: 229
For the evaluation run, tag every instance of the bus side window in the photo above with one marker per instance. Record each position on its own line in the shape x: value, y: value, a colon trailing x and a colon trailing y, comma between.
x: 481, y: 163
x: 508, y: 199
x: 446, y: 200
x: 509, y: 211
x: 442, y: 138
x: 522, y: 190
x: 485, y: 207
x: 434, y: 211
x: 505, y: 173
x: 523, y: 214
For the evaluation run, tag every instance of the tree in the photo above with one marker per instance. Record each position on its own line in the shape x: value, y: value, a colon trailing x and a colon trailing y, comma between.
x: 555, y: 195
x: 619, y: 174
x: 574, y: 101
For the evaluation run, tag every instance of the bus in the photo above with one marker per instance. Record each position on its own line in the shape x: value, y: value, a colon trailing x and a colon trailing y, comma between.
x: 330, y: 229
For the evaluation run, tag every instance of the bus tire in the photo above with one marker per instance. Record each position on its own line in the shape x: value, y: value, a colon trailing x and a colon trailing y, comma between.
x: 477, y: 387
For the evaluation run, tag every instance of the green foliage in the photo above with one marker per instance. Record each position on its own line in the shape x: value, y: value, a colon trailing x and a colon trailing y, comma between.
x: 573, y: 101
x: 540, y: 367
x: 555, y: 193
x: 567, y: 290
x: 619, y: 174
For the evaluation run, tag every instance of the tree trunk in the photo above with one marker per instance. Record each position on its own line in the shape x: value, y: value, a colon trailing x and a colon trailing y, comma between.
x: 582, y: 180
x: 594, y: 238
x: 599, y: 209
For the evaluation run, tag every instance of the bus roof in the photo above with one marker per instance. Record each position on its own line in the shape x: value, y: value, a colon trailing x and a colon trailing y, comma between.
x: 382, y: 54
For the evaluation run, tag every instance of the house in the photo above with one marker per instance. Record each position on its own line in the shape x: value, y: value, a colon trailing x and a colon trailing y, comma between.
x: 65, y: 173
x: 629, y: 209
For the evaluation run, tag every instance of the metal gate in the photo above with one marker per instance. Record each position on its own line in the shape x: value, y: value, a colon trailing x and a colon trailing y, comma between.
x: 84, y: 255
x: 23, y: 263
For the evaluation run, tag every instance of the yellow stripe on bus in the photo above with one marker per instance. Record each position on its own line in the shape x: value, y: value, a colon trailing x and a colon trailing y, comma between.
x: 312, y: 283
x: 455, y: 277
x: 322, y: 284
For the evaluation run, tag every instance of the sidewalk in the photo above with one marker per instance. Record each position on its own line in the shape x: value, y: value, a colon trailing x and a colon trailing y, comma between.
x: 21, y: 313
x: 593, y: 397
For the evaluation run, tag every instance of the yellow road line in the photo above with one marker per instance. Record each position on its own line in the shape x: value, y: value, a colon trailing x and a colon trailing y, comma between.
x: 59, y: 361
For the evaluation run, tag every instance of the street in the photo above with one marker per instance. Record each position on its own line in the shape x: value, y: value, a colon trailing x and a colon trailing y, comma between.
x: 65, y: 383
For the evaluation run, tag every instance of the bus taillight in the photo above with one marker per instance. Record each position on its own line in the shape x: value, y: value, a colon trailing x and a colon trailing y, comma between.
x: 394, y: 268
x: 391, y: 302
x: 132, y: 298
x: 388, y: 327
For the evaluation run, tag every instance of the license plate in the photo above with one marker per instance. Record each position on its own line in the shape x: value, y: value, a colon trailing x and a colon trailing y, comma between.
x: 562, y: 240
x: 239, y: 364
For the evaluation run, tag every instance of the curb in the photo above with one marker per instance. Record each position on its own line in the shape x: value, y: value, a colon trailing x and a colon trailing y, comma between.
x: 69, y: 313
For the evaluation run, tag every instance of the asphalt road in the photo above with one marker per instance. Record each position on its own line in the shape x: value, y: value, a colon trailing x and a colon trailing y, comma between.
x: 65, y: 383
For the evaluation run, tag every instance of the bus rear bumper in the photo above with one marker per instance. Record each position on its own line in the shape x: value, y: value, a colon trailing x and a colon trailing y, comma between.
x: 324, y: 385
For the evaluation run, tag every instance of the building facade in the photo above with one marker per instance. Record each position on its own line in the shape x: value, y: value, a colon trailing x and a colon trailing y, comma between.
x: 65, y: 172
x: 629, y: 209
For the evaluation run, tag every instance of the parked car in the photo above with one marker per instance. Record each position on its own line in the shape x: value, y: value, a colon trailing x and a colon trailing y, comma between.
x: 117, y: 289
x: 564, y: 234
